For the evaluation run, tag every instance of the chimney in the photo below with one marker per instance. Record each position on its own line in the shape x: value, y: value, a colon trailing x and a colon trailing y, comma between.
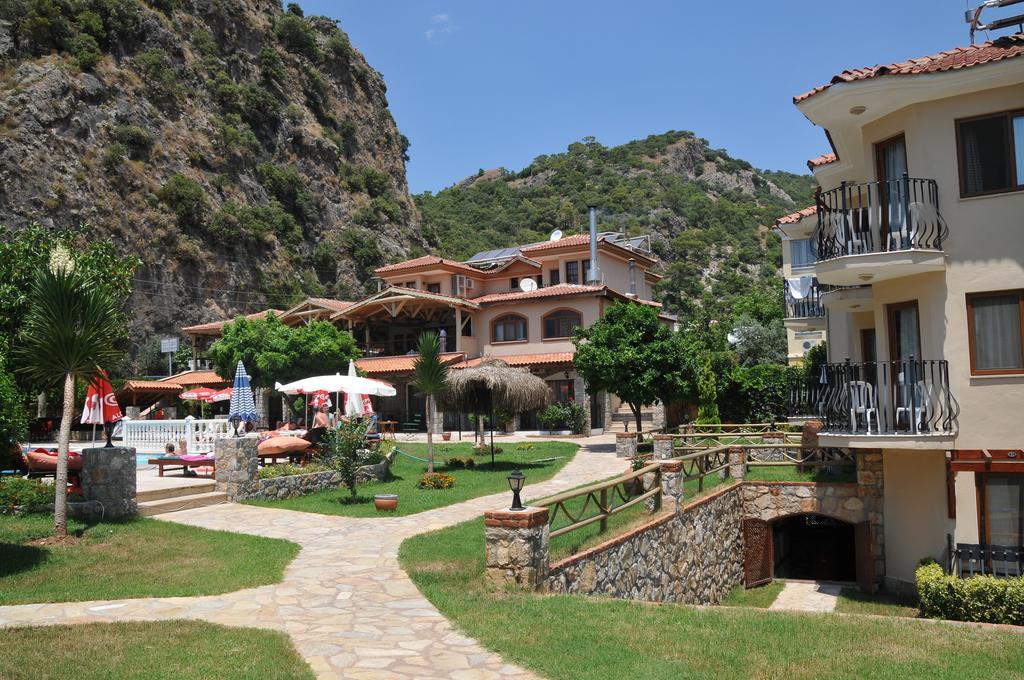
x: 595, y: 273
x: 632, y: 277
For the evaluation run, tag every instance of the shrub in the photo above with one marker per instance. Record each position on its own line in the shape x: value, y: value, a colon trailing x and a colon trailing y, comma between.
x: 187, y: 199
x: 271, y: 67
x: 983, y: 599
x: 272, y: 471
x: 569, y: 416
x: 205, y: 43
x: 86, y: 51
x: 366, y: 180
x: 234, y: 220
x: 297, y: 36
x: 136, y: 139
x: 13, y: 415
x: 339, y: 46
x: 342, y: 449
x: 16, y: 491
x: 158, y: 74
x: 234, y: 136
x: 436, y: 480
x: 757, y: 394
x: 286, y: 185
x: 114, y: 156
x: 460, y: 463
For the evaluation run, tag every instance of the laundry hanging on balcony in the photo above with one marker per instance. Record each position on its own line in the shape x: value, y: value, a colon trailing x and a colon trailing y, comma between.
x: 799, y: 288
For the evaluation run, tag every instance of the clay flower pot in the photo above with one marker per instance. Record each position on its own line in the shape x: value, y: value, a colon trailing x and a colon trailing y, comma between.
x: 385, y: 502
x: 446, y: 436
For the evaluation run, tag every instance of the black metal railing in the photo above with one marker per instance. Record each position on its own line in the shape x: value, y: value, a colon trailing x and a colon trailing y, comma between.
x: 908, y: 396
x: 972, y: 559
x: 806, y: 307
x: 876, y: 217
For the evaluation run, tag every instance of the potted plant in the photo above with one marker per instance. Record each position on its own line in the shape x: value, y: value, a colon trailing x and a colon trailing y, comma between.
x: 635, y: 487
x: 385, y: 502
x: 447, y: 436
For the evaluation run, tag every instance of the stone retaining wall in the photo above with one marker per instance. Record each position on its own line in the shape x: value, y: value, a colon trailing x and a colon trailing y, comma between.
x: 299, y: 485
x: 694, y: 556
x: 772, y: 500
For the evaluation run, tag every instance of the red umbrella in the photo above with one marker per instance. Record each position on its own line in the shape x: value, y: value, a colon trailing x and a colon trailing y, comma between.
x: 222, y: 395
x: 101, y: 407
x: 198, y: 394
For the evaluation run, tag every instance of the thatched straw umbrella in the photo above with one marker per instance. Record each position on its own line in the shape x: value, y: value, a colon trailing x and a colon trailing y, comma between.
x: 492, y: 385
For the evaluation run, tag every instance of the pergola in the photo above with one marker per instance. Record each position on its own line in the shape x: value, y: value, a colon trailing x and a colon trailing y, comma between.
x: 419, y: 309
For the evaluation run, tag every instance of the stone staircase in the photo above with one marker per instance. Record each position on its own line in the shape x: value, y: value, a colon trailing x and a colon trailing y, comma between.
x: 623, y: 419
x: 197, y: 494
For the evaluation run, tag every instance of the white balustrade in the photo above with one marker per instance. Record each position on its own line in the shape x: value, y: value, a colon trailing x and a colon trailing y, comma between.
x: 199, y: 435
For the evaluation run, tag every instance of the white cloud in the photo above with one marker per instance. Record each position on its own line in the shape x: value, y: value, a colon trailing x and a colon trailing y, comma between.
x: 442, y: 26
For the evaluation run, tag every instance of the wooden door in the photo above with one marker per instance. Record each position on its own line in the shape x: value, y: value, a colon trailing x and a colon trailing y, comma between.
x: 865, y: 559
x: 757, y: 552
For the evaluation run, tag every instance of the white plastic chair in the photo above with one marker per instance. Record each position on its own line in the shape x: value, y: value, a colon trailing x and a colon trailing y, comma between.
x: 862, y: 402
x: 922, y: 405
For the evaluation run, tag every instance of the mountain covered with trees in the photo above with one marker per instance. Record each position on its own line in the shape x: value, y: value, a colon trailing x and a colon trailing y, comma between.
x: 244, y: 152
x: 705, y: 211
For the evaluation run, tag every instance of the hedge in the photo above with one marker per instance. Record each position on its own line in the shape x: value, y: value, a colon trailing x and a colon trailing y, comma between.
x: 983, y: 599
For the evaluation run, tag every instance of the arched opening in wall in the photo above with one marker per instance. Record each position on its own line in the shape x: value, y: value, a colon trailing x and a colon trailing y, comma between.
x: 814, y: 547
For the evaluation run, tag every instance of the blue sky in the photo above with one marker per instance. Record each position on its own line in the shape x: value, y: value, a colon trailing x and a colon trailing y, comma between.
x: 482, y: 84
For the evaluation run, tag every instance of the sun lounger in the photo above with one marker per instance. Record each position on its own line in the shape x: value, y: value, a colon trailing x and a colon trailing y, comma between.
x: 184, y: 462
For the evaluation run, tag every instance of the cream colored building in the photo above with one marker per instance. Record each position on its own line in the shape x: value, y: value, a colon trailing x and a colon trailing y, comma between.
x: 805, y: 315
x: 519, y: 304
x: 919, y: 232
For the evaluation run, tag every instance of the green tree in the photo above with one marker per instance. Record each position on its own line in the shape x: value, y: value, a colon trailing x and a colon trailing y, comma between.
x: 273, y: 352
x: 760, y: 343
x: 630, y: 352
x: 430, y: 378
x: 342, y: 449
x: 13, y: 416
x: 68, y: 336
x: 707, y: 401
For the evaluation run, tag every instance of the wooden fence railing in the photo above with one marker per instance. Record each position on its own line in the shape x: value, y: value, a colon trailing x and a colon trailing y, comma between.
x: 730, y: 428
x: 699, y: 464
x: 603, y: 499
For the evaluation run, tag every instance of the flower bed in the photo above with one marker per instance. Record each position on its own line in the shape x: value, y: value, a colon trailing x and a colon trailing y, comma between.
x: 290, y: 485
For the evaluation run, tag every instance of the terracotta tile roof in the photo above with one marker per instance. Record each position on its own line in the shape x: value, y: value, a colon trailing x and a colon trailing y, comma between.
x: 823, y: 159
x: 1000, y: 49
x: 575, y: 240
x: 551, y: 291
x: 193, y: 378
x: 793, y: 218
x: 335, y: 305
x: 524, y: 359
x: 215, y: 326
x: 401, y: 364
x: 151, y: 386
x: 425, y: 261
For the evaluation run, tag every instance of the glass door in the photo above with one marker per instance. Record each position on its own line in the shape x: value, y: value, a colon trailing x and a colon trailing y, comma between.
x: 905, y: 344
x: 891, y: 165
x: 1004, y: 516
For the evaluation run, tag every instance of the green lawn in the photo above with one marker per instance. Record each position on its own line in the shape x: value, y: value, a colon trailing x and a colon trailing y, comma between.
x: 760, y: 597
x: 790, y: 473
x: 579, y: 638
x: 165, y: 650
x: 138, y: 558
x: 537, y: 460
x: 853, y: 601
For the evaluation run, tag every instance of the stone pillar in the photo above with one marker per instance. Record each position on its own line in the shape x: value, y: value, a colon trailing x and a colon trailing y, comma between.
x: 237, y: 466
x: 870, y: 489
x: 778, y: 454
x: 672, y: 481
x: 517, y: 546
x: 658, y: 417
x: 737, y: 463
x: 108, y: 476
x: 579, y: 390
x: 607, y: 405
x: 625, y: 444
x: 663, y: 444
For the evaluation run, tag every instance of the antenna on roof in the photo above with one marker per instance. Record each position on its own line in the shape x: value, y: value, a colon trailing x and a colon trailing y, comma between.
x: 556, y: 235
x: 527, y: 285
x: 973, y: 17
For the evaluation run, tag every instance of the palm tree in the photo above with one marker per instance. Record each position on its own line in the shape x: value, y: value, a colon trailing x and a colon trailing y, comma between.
x: 69, y: 334
x: 430, y: 378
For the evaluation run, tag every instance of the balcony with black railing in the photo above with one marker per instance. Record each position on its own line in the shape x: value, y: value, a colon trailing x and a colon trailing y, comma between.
x: 908, y: 399
x: 872, y: 231
x: 803, y: 303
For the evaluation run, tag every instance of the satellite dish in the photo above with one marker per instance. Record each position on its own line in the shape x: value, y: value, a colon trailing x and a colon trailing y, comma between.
x: 527, y: 285
x: 556, y: 235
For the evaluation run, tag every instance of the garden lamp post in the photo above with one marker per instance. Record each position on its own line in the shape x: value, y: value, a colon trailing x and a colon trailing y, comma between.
x: 515, y: 482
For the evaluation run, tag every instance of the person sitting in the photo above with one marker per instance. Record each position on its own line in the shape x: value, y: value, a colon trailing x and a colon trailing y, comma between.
x: 183, y: 451
x: 169, y: 449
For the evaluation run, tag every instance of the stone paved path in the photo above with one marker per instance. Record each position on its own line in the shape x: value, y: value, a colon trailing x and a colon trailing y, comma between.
x: 808, y: 596
x: 350, y: 609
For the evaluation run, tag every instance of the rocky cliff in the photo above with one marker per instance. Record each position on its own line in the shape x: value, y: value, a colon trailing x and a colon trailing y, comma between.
x: 245, y: 153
